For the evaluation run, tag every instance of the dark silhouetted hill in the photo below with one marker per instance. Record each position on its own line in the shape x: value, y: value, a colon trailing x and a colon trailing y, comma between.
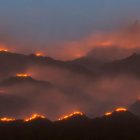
x: 135, y: 108
x: 130, y: 66
x: 13, y: 63
x: 118, y: 126
x: 24, y: 80
x: 91, y: 64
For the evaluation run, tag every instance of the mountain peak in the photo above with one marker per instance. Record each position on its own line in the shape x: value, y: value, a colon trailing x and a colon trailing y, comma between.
x: 75, y: 116
x: 23, y: 80
x: 134, y: 55
x: 135, y: 108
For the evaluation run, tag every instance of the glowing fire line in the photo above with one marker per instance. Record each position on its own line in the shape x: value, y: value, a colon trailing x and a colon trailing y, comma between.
x: 5, y: 119
x: 120, y: 109
x: 34, y: 116
x: 22, y: 75
x: 108, y: 113
x: 37, y: 54
x: 3, y: 50
x: 70, y: 115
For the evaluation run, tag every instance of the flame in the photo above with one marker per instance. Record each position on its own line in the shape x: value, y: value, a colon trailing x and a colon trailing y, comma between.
x: 5, y: 119
x: 70, y: 115
x: 120, y: 109
x: 3, y: 50
x: 22, y: 75
x: 37, y: 54
x: 34, y: 116
x: 108, y: 113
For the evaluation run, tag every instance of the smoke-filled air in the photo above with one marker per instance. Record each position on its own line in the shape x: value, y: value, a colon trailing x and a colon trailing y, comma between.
x: 69, y: 69
x: 56, y: 58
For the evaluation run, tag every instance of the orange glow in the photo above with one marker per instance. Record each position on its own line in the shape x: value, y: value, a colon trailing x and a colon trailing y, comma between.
x: 70, y: 115
x: 38, y: 54
x: 108, y: 113
x: 5, y: 119
x: 120, y: 109
x: 139, y: 98
x: 78, y: 55
x: 3, y: 50
x: 1, y: 91
x: 22, y: 75
x: 34, y: 116
x: 107, y: 43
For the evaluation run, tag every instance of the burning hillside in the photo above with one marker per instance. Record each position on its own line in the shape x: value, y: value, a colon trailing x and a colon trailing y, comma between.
x: 22, y: 71
x: 44, y: 129
x: 3, y: 50
x: 108, y: 113
x: 5, y: 119
x: 37, y: 116
x: 76, y: 113
x: 37, y: 54
x: 120, y: 109
x: 22, y: 75
x: 33, y: 117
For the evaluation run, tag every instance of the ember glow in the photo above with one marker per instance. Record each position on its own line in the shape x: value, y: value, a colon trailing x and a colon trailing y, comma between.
x: 108, y: 113
x: 70, y: 115
x: 3, y: 50
x: 37, y: 54
x: 120, y: 109
x: 5, y: 119
x: 34, y: 116
x: 78, y: 55
x: 22, y: 75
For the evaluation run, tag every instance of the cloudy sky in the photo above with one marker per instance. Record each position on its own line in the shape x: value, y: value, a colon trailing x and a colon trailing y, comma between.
x: 27, y: 21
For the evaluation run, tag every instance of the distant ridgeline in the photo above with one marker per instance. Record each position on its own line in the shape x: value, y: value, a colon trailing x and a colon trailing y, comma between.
x: 119, y: 124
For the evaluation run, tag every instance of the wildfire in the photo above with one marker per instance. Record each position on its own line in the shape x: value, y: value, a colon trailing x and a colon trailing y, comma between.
x: 5, y: 119
x: 37, y: 54
x: 120, y: 109
x: 108, y: 113
x: 70, y: 115
x: 34, y: 116
x: 3, y: 50
x: 22, y: 75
